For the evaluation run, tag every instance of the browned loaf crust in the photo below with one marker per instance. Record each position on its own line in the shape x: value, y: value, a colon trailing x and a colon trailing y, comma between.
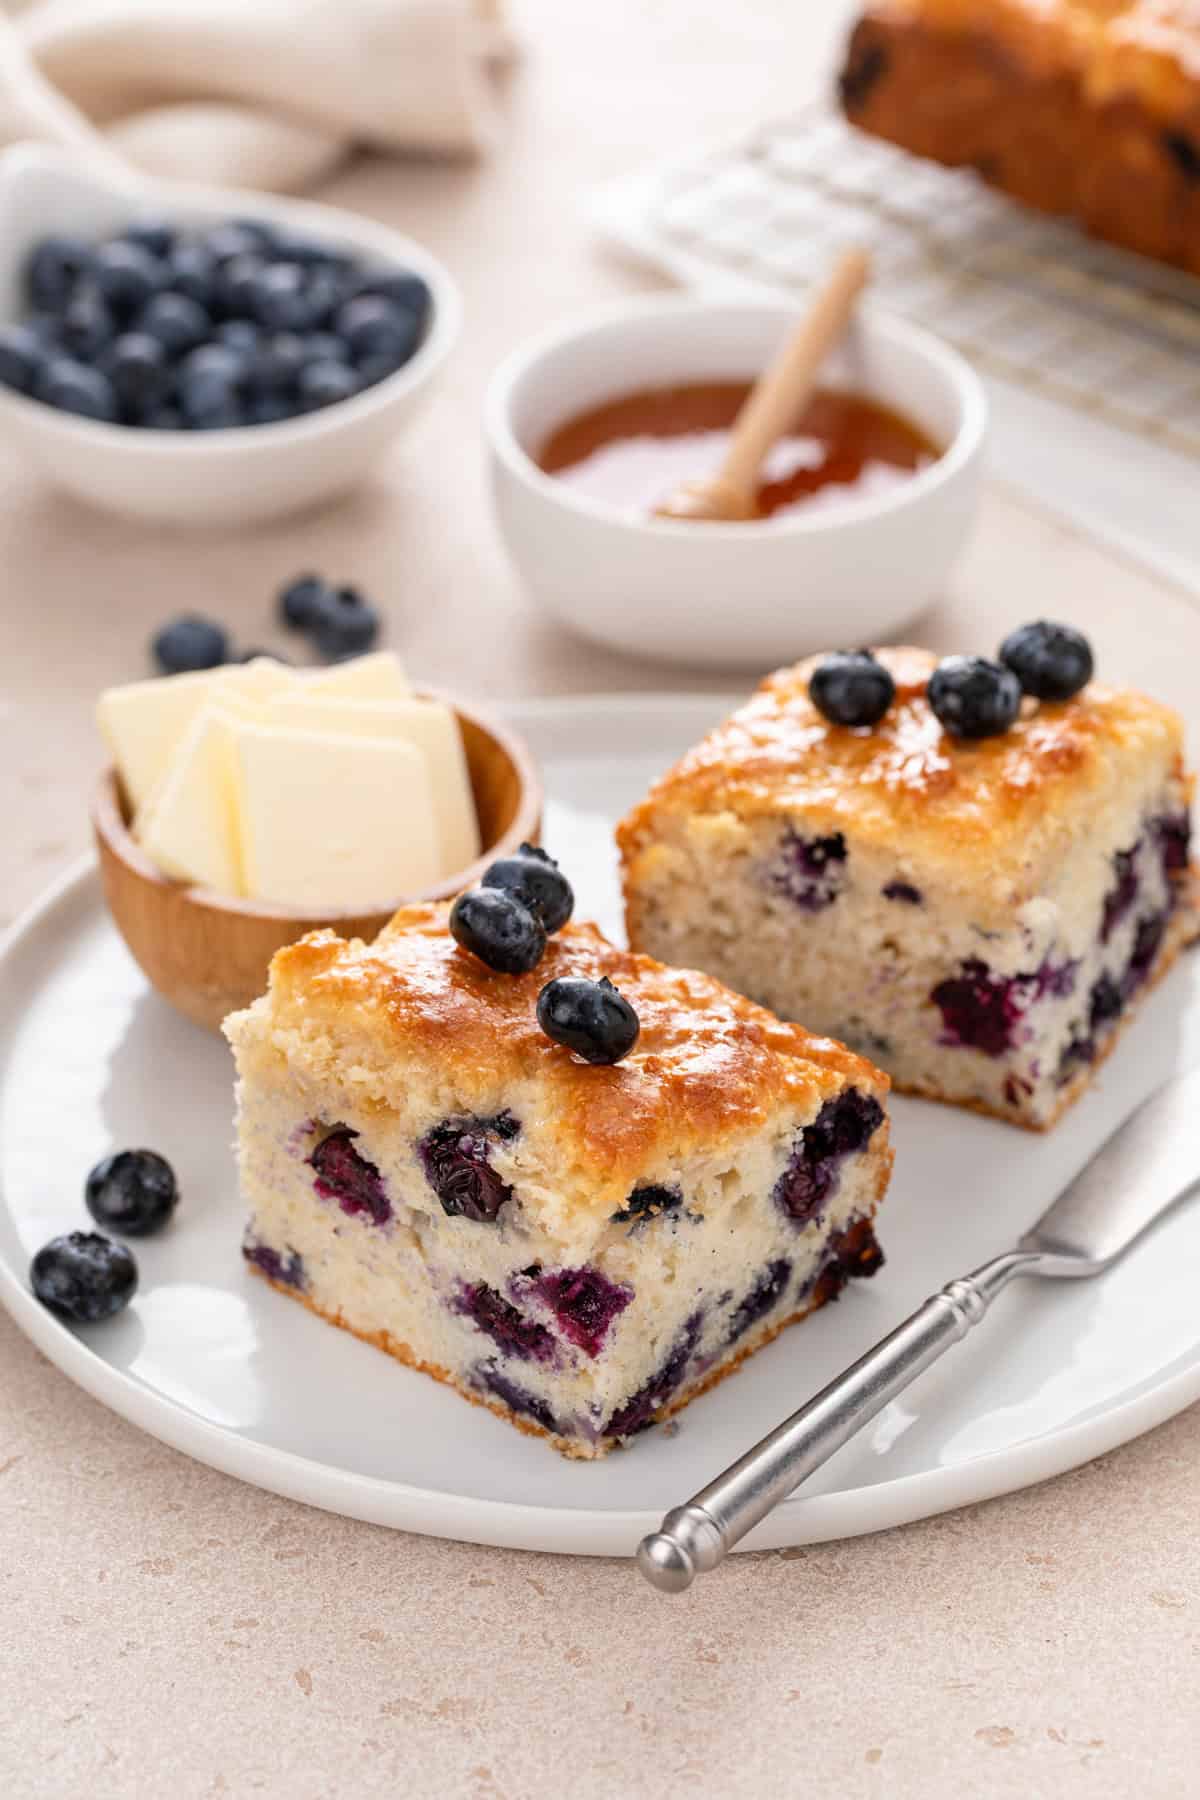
x: 1085, y: 107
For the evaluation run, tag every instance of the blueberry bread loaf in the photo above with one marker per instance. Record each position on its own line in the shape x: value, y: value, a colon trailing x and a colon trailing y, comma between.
x: 1085, y: 107
x: 580, y: 1248
x: 977, y: 913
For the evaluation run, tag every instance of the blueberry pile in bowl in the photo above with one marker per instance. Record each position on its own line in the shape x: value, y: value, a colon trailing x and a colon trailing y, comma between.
x: 241, y: 323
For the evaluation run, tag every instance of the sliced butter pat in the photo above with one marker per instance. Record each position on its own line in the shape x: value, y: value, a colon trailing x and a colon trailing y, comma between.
x: 143, y: 722
x: 190, y: 827
x: 333, y: 823
x: 431, y: 727
x: 263, y: 678
x: 377, y: 677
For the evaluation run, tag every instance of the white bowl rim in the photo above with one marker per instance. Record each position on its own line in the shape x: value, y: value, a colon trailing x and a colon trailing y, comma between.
x: 143, y: 194
x: 956, y: 371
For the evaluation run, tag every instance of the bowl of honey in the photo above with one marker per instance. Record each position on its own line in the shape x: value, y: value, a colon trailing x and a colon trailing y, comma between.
x: 860, y: 509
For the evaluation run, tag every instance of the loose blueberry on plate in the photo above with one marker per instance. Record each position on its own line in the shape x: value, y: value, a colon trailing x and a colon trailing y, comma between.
x: 592, y: 1018
x: 851, y: 688
x: 21, y: 356
x: 343, y: 623
x: 974, y: 698
x: 133, y: 1192
x: 75, y: 388
x: 298, y: 600
x: 84, y: 1276
x: 496, y: 928
x: 1051, y: 662
x: 190, y: 643
x: 536, y: 880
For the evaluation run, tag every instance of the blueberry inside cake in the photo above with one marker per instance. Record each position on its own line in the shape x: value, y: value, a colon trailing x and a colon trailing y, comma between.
x: 977, y: 905
x: 582, y: 1248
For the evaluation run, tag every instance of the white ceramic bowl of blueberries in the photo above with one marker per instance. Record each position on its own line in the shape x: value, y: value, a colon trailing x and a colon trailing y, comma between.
x: 195, y: 355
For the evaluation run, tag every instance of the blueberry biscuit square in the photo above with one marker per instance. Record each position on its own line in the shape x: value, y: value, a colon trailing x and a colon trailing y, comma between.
x: 582, y: 1249
x: 978, y: 917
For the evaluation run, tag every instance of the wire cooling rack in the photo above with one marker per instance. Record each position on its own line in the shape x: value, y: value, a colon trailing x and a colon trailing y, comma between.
x: 1108, y: 336
x: 1033, y: 298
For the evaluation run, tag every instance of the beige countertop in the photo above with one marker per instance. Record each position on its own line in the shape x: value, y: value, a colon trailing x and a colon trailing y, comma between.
x: 167, y: 1630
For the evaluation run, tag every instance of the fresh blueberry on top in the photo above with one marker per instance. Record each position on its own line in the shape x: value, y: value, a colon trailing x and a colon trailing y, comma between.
x: 127, y: 274
x: 133, y: 1192
x: 497, y: 929
x: 164, y: 418
x: 298, y: 600
x: 851, y: 688
x: 190, y: 643
x: 324, y: 383
x: 55, y: 265
x: 21, y: 356
x: 177, y: 320
x: 136, y: 364
x: 84, y: 1276
x: 75, y: 388
x: 592, y: 1018
x: 1051, y: 662
x: 537, y: 882
x: 974, y: 698
x: 343, y: 623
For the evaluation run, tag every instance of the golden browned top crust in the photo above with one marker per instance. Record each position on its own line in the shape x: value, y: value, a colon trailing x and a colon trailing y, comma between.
x: 414, y: 1007
x: 1149, y: 49
x: 994, y: 812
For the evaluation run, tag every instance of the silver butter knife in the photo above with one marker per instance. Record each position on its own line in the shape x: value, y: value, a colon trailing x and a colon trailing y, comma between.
x: 1147, y: 1165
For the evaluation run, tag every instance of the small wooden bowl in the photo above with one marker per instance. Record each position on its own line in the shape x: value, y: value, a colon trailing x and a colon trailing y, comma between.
x: 208, y: 953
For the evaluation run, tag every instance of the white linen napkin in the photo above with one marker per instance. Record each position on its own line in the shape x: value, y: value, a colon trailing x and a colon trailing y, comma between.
x: 252, y: 93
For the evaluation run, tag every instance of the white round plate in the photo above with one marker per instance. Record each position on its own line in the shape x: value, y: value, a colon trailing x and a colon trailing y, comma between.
x: 223, y: 1368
